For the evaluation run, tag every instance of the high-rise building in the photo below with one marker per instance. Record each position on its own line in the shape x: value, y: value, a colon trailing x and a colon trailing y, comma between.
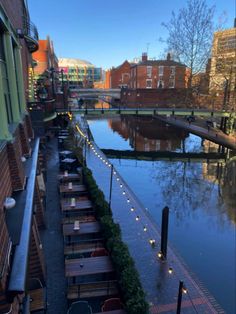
x: 223, y: 64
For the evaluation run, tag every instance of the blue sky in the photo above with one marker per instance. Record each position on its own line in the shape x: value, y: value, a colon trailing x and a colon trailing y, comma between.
x: 107, y: 32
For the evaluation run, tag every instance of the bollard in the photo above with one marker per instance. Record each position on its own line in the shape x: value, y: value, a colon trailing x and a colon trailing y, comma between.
x: 164, y: 231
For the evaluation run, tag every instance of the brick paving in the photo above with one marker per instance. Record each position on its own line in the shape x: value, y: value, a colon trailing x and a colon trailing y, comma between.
x: 52, y: 238
x: 161, y: 288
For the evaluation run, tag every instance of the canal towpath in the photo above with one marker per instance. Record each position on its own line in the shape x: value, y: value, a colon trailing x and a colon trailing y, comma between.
x: 138, y: 228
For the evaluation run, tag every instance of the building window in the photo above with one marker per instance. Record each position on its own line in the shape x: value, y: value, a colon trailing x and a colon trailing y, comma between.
x: 6, y: 92
x: 149, y: 71
x: 161, y: 70
x: 171, y: 83
x: 172, y: 70
x: 226, y: 44
x: 160, y: 84
x: 148, y: 83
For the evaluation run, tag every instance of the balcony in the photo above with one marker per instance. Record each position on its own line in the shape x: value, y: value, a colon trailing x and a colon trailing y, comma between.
x: 41, y: 113
x: 30, y: 34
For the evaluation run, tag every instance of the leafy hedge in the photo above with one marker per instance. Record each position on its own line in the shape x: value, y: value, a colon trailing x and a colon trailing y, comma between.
x: 133, y: 294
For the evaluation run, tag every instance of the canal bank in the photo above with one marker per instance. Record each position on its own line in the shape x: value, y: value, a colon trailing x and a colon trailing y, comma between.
x: 138, y: 228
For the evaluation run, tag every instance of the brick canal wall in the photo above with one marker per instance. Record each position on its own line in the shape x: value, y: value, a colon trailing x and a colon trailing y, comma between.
x: 170, y: 98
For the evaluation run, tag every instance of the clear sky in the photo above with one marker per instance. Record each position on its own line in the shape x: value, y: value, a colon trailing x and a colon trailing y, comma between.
x: 107, y: 32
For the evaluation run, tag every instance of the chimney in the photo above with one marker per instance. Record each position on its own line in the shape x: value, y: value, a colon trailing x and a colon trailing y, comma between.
x: 144, y: 56
x: 168, y: 56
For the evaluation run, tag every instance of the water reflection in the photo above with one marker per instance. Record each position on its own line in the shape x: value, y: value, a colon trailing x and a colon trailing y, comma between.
x: 148, y: 134
x: 200, y: 195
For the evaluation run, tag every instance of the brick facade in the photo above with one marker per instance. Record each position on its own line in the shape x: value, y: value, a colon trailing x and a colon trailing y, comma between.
x: 120, y: 76
x: 5, y: 176
x: 163, y: 97
x: 158, y: 74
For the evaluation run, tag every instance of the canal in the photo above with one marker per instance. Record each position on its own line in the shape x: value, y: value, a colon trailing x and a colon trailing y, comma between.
x: 199, y: 193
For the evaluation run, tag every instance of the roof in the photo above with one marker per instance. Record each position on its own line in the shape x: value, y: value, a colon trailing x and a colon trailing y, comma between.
x: 159, y: 62
x: 69, y: 62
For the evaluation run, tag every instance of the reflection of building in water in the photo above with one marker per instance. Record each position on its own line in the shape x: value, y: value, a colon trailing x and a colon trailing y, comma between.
x: 229, y: 187
x: 224, y: 175
x: 101, y: 104
x: 147, y: 134
x: 209, y: 147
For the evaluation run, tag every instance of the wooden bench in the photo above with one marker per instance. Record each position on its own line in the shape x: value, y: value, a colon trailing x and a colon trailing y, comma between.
x: 93, y: 289
x: 37, y: 300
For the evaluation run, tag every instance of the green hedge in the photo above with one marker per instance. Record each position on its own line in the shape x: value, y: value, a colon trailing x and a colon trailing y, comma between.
x: 133, y: 294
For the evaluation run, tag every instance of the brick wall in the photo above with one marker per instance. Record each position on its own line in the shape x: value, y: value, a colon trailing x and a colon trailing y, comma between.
x: 120, y: 75
x: 165, y: 97
x: 14, y: 150
x: 5, y: 176
x: 4, y: 250
x: 139, y: 76
x: 25, y: 147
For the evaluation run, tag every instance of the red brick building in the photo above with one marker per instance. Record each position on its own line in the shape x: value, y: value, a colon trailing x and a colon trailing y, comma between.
x: 158, y: 74
x: 21, y: 258
x: 120, y: 76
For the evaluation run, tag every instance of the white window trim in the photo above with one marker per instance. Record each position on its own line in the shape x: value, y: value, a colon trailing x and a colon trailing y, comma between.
x: 147, y: 81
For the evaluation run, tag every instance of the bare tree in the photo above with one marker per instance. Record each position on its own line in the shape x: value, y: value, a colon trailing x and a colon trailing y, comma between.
x: 190, y: 35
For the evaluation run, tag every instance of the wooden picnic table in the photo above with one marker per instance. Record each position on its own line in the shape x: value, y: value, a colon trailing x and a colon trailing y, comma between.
x: 76, y: 188
x: 88, y: 266
x: 79, y: 203
x: 85, y: 228
x: 69, y: 177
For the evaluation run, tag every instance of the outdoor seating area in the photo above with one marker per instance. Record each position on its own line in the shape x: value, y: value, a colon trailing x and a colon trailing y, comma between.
x: 90, y: 274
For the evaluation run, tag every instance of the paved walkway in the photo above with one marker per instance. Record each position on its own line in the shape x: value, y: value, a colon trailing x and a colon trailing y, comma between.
x: 161, y: 288
x: 52, y: 238
x: 214, y: 135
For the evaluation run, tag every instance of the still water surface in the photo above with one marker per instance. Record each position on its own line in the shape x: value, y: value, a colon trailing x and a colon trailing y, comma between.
x: 200, y: 198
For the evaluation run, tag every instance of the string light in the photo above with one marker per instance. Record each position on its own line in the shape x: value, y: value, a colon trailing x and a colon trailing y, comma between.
x: 137, y: 218
x: 152, y: 241
x: 159, y: 254
x: 121, y: 185
x: 128, y: 201
x: 123, y: 192
x: 184, y: 290
x: 170, y: 270
x: 132, y: 209
x: 144, y: 228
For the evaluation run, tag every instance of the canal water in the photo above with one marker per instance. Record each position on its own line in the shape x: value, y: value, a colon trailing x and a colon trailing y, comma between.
x: 199, y: 193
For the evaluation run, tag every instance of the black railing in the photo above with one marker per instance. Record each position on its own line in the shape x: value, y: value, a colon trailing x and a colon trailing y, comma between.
x: 30, y: 34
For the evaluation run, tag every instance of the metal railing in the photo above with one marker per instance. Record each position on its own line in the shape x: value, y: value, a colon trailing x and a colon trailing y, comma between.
x: 30, y: 33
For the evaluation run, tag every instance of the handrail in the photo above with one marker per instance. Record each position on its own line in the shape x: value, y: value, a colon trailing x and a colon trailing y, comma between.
x: 18, y: 273
x: 29, y: 29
